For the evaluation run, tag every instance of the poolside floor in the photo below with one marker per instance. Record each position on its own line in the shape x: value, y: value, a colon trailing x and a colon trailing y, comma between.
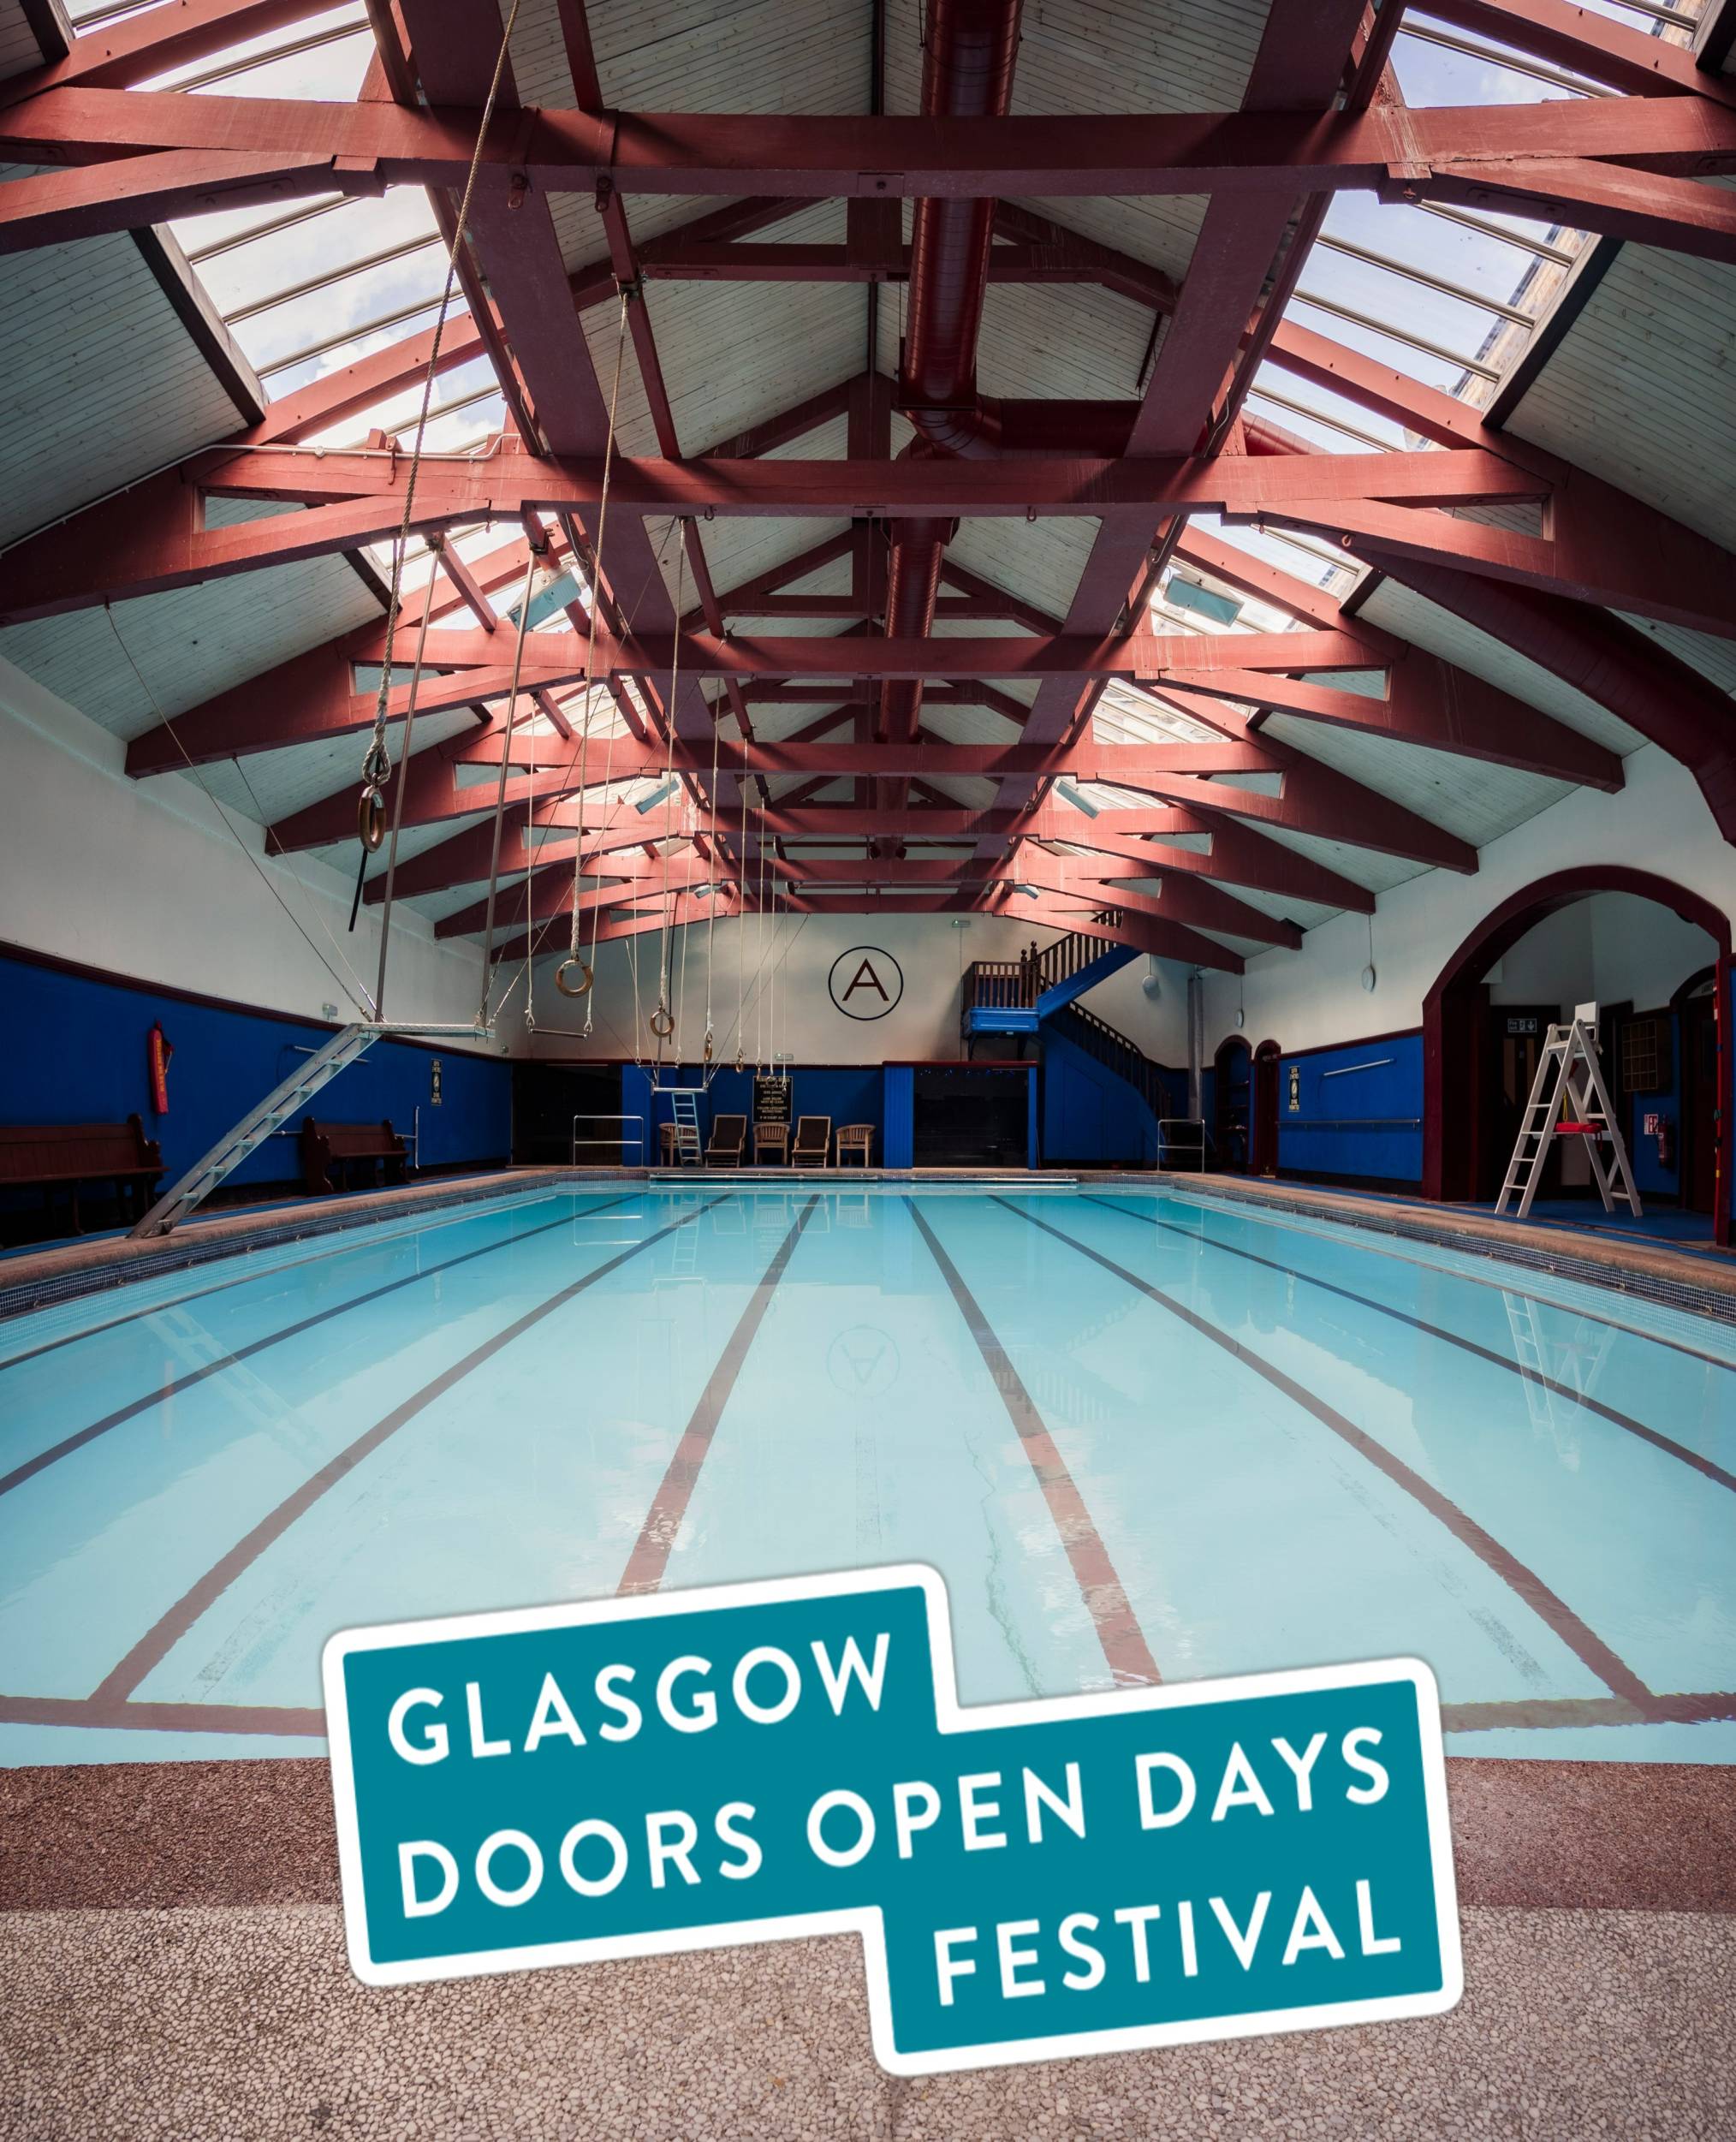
x: 175, y: 1967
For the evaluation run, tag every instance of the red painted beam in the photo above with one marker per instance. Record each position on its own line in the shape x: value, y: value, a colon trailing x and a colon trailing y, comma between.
x: 1162, y: 941
x: 314, y: 696
x: 1191, y: 901
x: 1299, y: 63
x: 160, y: 543
x: 1688, y: 583
x: 825, y: 157
x: 1643, y: 207
x: 1426, y: 702
x: 1610, y: 662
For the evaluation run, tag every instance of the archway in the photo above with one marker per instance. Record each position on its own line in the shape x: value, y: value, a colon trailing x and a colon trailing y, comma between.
x: 1264, y: 1156
x: 1452, y: 1012
x: 1232, y: 1104
x: 1696, y: 1007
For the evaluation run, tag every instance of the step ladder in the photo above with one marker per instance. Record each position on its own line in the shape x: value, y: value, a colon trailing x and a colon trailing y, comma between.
x: 684, y: 1109
x: 344, y: 1049
x: 1569, y: 1099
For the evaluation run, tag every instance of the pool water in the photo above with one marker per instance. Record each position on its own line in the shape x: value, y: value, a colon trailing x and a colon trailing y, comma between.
x: 1142, y: 1435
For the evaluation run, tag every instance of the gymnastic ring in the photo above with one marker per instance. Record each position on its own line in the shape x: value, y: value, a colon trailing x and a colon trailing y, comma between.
x: 708, y: 1044
x: 572, y: 989
x: 662, y: 1023
x: 371, y: 819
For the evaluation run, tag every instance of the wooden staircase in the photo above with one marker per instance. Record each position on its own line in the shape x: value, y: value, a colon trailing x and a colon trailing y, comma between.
x: 1014, y: 996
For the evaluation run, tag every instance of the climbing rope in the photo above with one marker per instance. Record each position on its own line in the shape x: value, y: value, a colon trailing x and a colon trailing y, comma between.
x: 531, y: 564
x: 741, y: 935
x: 572, y: 978
x: 711, y: 889
x: 662, y: 1023
x: 377, y: 759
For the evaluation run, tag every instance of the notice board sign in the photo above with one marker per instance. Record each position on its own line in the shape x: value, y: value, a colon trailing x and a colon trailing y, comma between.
x: 760, y: 1762
x: 771, y: 1100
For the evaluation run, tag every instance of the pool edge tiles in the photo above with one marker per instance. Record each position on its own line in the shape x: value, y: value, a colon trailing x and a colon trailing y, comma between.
x: 1627, y: 1266
x: 65, y: 1276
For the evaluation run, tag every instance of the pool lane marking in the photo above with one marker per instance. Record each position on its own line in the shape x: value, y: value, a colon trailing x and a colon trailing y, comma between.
x: 284, y: 1722
x: 1586, y: 1645
x: 1667, y: 1443
x: 471, y: 1209
x: 649, y: 1561
x: 76, y: 1440
x: 1262, y: 1214
x: 164, y: 1634
x: 1105, y: 1596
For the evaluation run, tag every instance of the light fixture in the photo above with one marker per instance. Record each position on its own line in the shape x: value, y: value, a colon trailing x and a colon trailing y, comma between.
x: 657, y: 796
x: 1066, y: 790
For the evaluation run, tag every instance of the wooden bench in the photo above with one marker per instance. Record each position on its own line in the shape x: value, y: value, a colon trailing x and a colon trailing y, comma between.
x: 326, y: 1145
x: 51, y: 1156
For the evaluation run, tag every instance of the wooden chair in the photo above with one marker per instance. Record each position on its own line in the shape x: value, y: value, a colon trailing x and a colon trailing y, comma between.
x: 52, y: 1156
x: 728, y: 1141
x: 771, y: 1145
x: 856, y: 1139
x: 813, y: 1142
x: 326, y: 1145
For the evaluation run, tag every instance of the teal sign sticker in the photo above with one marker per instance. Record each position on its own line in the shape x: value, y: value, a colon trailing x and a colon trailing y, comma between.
x: 757, y: 1763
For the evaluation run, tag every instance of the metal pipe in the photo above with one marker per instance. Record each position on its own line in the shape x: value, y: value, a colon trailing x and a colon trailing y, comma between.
x: 971, y: 48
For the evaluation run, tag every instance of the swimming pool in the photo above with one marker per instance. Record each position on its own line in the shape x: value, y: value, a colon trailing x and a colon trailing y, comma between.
x: 1141, y: 1433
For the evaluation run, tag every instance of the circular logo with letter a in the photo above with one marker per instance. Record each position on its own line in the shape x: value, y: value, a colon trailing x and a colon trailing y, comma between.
x: 865, y: 982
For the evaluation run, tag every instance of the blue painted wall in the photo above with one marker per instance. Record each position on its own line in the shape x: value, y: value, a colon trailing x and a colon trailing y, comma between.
x: 899, y: 1088
x: 77, y: 1054
x: 1091, y: 1117
x: 1365, y: 1122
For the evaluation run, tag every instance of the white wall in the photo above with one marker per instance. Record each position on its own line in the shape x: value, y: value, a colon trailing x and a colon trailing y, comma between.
x: 147, y: 880
x: 799, y: 953
x: 1657, y: 823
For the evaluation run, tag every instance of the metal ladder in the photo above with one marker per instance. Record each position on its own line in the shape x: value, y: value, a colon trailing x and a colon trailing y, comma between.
x: 1568, y: 1051
x: 344, y: 1049
x: 684, y: 1110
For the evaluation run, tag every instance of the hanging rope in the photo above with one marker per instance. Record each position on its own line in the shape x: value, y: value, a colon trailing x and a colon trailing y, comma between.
x: 530, y: 564
x: 533, y: 936
x: 741, y: 937
x: 572, y: 978
x: 663, y: 1024
x: 377, y: 760
x: 711, y: 887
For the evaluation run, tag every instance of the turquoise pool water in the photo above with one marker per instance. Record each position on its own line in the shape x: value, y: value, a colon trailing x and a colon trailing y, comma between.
x: 1139, y: 1432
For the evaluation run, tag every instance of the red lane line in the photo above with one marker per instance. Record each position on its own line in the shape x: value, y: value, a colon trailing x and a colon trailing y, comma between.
x: 1533, y: 1714
x: 159, y: 1640
x: 1626, y: 1421
x: 133, y: 1407
x: 1105, y: 1597
x: 649, y: 1561
x: 1584, y: 1642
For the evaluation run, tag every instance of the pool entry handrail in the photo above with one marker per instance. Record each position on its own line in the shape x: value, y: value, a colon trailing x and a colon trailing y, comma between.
x: 346, y: 1046
x: 622, y: 1142
x: 1196, y: 1147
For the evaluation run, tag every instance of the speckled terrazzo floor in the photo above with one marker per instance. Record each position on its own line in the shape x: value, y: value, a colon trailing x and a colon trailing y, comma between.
x: 244, y: 2021
x: 172, y: 1964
